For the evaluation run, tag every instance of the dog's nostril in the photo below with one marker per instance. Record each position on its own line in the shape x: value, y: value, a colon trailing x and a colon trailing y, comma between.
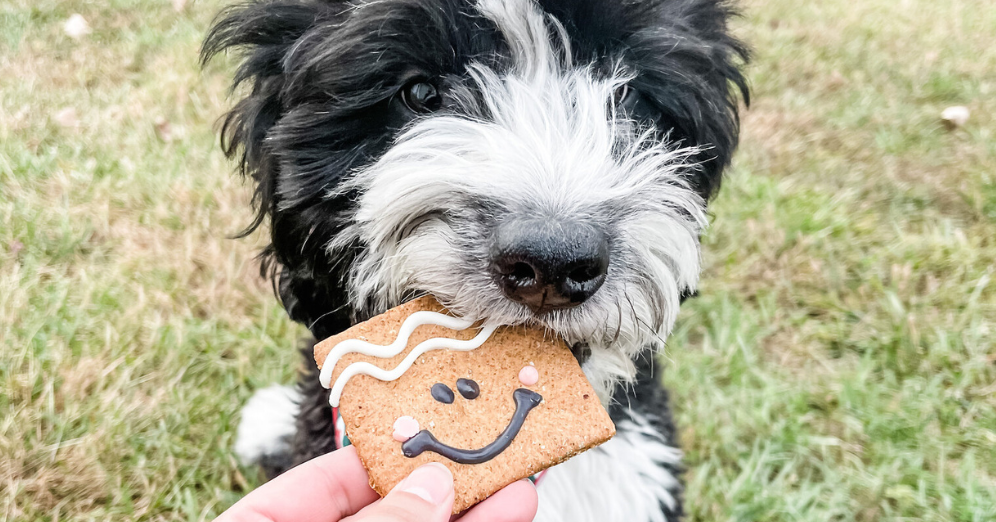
x: 586, y: 272
x: 522, y: 273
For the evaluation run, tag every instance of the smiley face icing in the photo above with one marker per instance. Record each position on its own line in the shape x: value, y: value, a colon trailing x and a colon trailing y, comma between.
x: 529, y: 375
x: 468, y: 388
x: 442, y: 393
x: 405, y: 428
x: 525, y: 401
x: 470, y: 411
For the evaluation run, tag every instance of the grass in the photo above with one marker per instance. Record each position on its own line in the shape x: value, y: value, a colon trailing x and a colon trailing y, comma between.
x: 838, y: 366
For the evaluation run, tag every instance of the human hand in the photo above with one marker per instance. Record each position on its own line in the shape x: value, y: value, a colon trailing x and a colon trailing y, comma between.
x: 334, y: 488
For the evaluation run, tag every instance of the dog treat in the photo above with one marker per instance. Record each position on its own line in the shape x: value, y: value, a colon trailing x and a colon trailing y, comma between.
x: 494, y: 405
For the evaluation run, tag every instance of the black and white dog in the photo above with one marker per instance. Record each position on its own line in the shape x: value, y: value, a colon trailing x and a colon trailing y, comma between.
x: 525, y: 161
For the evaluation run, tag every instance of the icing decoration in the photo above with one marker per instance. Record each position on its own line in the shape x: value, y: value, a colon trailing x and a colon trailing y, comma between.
x: 404, y: 333
x: 525, y: 401
x: 442, y: 393
x: 468, y: 388
x: 341, y: 441
x: 405, y: 428
x: 529, y: 375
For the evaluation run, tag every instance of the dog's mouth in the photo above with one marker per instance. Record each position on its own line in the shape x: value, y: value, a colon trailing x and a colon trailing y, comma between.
x: 525, y: 401
x: 581, y: 352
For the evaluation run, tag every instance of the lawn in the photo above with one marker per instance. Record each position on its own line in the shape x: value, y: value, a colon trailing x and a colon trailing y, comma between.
x: 840, y: 363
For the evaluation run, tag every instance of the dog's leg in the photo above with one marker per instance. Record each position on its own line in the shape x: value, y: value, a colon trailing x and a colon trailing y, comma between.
x: 267, y: 428
x: 635, y: 477
x: 283, y: 426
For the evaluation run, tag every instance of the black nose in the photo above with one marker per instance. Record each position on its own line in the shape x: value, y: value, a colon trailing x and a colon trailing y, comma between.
x: 548, y: 265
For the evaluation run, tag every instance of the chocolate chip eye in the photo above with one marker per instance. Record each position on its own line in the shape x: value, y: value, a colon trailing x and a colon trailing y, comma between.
x: 443, y: 393
x: 468, y: 388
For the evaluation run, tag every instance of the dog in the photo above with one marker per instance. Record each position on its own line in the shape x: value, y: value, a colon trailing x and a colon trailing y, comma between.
x: 544, y: 162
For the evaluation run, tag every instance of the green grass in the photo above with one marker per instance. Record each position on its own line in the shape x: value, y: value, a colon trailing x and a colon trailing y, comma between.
x: 839, y: 364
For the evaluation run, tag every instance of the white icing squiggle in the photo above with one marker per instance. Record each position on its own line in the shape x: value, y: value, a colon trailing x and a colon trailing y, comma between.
x: 404, y: 333
x: 411, y: 323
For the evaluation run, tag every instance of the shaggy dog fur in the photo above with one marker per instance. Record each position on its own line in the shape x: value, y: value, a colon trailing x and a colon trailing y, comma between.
x: 525, y: 161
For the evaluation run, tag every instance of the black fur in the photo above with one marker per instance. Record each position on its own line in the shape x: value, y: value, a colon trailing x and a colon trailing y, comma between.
x: 649, y: 399
x: 318, y: 82
x: 315, y: 435
x: 686, y: 62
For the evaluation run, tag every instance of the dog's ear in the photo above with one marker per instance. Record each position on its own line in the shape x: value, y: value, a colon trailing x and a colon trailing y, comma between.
x: 694, y: 71
x: 264, y: 31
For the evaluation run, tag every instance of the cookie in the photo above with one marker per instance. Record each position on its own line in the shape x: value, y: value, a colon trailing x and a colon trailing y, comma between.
x: 494, y: 405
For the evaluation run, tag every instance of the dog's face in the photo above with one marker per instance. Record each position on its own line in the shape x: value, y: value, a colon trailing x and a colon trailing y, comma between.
x: 543, y: 161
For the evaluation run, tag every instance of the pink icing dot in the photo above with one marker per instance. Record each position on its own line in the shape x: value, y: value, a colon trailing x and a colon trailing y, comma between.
x: 405, y: 428
x: 529, y: 375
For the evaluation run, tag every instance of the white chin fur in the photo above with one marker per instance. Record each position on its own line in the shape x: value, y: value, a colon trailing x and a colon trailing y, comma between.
x: 626, y: 479
x: 544, y: 143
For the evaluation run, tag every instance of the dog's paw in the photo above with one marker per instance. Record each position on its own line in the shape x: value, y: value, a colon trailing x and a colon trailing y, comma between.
x: 267, y: 425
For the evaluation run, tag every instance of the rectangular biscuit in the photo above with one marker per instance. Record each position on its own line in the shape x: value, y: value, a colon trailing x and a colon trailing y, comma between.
x: 570, y: 419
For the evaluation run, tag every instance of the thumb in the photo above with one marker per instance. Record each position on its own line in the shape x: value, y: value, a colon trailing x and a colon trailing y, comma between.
x: 424, y: 496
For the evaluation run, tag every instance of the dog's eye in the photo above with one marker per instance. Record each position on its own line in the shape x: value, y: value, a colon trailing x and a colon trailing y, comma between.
x: 421, y: 97
x: 625, y: 97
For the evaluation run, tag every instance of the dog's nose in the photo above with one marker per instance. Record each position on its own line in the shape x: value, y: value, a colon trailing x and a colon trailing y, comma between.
x: 547, y: 264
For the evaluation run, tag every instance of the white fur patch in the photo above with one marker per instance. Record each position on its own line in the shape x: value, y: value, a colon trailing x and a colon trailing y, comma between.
x: 267, y: 423
x: 622, y: 480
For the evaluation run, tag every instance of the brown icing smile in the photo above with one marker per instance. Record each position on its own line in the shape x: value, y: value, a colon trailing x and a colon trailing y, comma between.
x: 525, y: 401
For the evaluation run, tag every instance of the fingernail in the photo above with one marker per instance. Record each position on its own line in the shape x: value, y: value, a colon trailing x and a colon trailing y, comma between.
x: 432, y: 482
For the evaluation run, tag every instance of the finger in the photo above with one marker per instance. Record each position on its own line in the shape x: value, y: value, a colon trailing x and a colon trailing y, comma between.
x: 424, y: 496
x: 323, y: 489
x: 516, y: 502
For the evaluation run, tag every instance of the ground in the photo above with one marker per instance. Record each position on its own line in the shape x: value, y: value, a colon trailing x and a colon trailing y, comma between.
x: 839, y: 365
